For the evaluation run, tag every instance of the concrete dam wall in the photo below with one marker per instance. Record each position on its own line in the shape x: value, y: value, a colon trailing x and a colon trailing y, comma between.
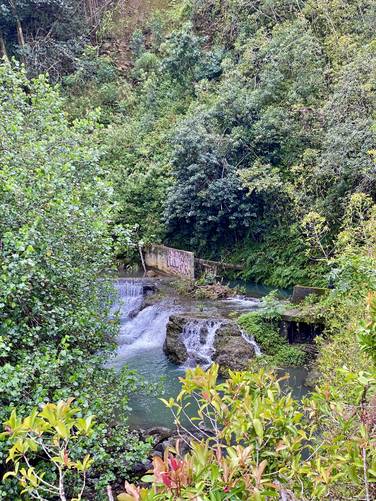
x: 170, y: 261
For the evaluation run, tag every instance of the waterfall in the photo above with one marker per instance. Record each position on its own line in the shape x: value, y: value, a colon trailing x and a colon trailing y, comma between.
x: 198, y: 337
x: 130, y: 288
x: 144, y: 329
x: 130, y: 298
x: 251, y: 340
x: 140, y: 329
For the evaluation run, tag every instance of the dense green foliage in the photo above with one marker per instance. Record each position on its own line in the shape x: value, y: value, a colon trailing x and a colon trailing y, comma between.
x: 348, y: 333
x: 265, y: 445
x: 50, y: 432
x: 235, y: 121
x: 55, y: 206
x: 241, y: 129
x: 47, y: 35
x: 264, y: 326
x: 240, y: 120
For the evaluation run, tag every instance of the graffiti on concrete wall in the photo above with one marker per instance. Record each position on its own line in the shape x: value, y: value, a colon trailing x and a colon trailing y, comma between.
x: 180, y: 262
x: 169, y: 260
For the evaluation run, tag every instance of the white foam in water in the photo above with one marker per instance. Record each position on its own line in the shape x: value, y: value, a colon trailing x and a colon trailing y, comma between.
x: 139, y: 330
x: 243, y: 302
x: 145, y: 329
x: 251, y: 340
x: 198, y: 338
x: 130, y: 298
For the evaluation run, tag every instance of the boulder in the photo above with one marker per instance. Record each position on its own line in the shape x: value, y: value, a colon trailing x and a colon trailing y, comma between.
x: 158, y: 433
x: 174, y: 346
x: 139, y: 469
x: 230, y: 349
x: 313, y: 378
x: 181, y: 440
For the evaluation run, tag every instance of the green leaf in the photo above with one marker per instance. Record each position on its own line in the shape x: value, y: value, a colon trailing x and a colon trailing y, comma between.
x: 258, y: 428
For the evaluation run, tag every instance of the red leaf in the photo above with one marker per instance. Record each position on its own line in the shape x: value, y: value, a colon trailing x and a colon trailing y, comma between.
x: 166, y: 479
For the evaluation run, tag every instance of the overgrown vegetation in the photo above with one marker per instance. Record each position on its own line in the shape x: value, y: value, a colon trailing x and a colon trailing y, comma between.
x: 240, y: 129
x: 264, y: 327
x: 243, y: 127
x: 266, y: 334
x: 48, y: 35
x: 55, y: 242
x: 266, y: 445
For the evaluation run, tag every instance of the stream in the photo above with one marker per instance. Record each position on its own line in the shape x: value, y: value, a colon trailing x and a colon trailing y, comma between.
x: 143, y: 325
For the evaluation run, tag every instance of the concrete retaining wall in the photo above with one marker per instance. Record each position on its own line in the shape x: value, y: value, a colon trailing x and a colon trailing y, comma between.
x: 216, y: 268
x: 300, y: 292
x: 169, y: 260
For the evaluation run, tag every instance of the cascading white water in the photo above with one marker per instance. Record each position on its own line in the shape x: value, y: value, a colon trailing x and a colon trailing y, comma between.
x: 143, y: 330
x: 251, y: 340
x: 198, y: 337
x: 130, y: 300
x: 139, y: 330
x: 146, y: 330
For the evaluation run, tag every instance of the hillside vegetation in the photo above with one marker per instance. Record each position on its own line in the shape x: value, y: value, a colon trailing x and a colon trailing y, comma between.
x: 241, y: 129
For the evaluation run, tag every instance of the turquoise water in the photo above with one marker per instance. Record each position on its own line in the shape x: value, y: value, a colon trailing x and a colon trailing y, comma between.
x: 148, y: 410
x: 255, y: 289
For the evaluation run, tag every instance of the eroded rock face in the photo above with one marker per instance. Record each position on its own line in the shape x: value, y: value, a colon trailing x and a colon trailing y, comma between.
x: 230, y: 349
x: 174, y: 346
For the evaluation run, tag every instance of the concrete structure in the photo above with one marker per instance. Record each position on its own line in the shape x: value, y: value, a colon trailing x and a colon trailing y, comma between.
x: 170, y: 261
x: 215, y: 268
x: 300, y: 292
x: 182, y: 263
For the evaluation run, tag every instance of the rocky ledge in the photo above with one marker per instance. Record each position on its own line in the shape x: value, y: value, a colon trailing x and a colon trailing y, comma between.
x: 229, y: 350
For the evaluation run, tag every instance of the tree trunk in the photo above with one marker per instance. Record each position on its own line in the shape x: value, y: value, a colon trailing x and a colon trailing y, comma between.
x: 3, y: 48
x: 92, y: 8
x: 20, y: 35
x: 142, y: 258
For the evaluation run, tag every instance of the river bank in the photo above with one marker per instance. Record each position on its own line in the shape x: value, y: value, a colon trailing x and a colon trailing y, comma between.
x: 145, y: 307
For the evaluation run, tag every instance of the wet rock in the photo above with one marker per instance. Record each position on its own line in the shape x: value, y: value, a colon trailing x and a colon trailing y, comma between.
x: 174, y: 346
x: 180, y: 442
x: 230, y: 349
x: 159, y: 448
x: 139, y: 469
x: 313, y: 378
x: 158, y: 433
x: 149, y: 288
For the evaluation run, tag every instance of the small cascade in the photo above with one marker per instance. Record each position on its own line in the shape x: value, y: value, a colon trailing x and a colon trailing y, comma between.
x: 130, y: 288
x: 243, y: 302
x: 198, y: 337
x: 131, y: 295
x: 140, y: 329
x: 251, y: 340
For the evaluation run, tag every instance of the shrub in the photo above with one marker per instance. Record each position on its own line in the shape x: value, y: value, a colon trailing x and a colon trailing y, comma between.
x: 266, y: 333
x: 263, y: 444
x: 55, y: 332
